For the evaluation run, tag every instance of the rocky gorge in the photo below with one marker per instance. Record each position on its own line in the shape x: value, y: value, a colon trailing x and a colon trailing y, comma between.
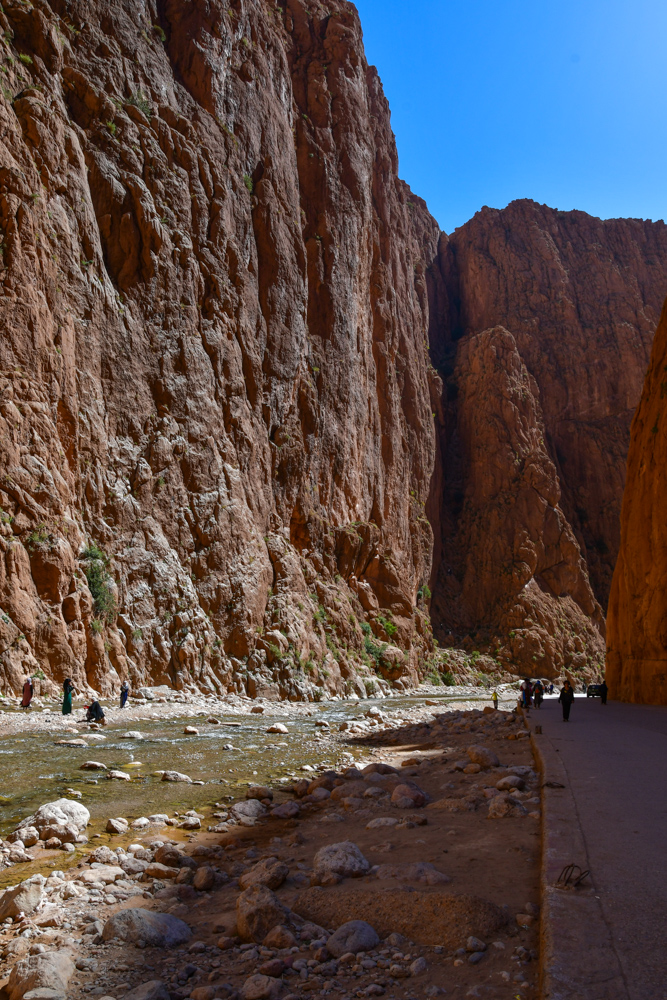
x: 263, y: 428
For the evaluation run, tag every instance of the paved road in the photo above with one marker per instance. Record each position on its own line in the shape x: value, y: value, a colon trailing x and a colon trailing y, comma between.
x: 616, y: 759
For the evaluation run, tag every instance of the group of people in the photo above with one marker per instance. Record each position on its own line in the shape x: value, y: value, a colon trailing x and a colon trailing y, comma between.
x: 94, y: 711
x: 533, y: 693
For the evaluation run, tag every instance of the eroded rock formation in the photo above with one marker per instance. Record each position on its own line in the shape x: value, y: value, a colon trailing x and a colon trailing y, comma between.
x: 637, y: 622
x: 534, y: 423
x: 216, y: 439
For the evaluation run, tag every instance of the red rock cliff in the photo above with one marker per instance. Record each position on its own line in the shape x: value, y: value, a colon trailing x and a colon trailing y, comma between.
x: 215, y: 437
x: 637, y: 622
x: 534, y: 424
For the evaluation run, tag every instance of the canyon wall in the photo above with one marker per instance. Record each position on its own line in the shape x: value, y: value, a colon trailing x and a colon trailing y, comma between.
x: 637, y: 621
x: 541, y: 328
x: 216, y: 439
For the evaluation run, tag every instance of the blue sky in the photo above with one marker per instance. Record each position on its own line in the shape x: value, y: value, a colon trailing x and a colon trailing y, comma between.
x: 562, y: 101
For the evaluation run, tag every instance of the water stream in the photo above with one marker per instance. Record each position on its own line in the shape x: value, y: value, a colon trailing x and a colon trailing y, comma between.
x: 34, y: 769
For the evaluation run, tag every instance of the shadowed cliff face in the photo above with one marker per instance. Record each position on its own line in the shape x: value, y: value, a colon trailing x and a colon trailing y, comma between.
x: 637, y: 622
x: 534, y: 424
x: 216, y: 439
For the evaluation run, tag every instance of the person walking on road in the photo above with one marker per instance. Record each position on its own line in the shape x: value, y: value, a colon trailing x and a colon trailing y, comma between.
x: 538, y: 694
x: 566, y: 698
x: 604, y: 691
x: 494, y: 699
x: 124, y: 692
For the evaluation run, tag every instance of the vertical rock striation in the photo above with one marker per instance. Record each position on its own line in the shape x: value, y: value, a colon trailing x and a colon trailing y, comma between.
x: 637, y: 621
x: 578, y: 299
x: 216, y: 438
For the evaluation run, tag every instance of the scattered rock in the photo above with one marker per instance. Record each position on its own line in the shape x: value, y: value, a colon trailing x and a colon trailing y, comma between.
x: 131, y: 735
x: 509, y: 782
x: 286, y: 810
x: 190, y: 823
x: 380, y: 821
x: 152, y: 990
x: 260, y: 987
x: 155, y: 870
x: 335, y: 862
x: 51, y: 970
x: 102, y: 873
x: 475, y: 944
x: 269, y: 872
x: 247, y: 812
x: 157, y: 930
x: 92, y: 765
x: 257, y: 709
x: 258, y: 911
x: 259, y: 792
x: 418, y: 966
x: 503, y: 806
x: 25, y: 898
x: 483, y: 756
x: 204, y: 878
x: 408, y: 797
x: 277, y: 727
x: 61, y: 812
x: 117, y: 825
x: 176, y: 776
x: 29, y: 836
x: 353, y: 936
x: 279, y: 937
x: 191, y: 731
x: 118, y: 775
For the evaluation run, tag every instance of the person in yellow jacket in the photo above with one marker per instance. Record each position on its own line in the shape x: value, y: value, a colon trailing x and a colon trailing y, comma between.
x: 494, y: 698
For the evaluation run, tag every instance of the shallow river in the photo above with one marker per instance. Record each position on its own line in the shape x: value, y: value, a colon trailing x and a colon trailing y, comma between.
x: 34, y: 769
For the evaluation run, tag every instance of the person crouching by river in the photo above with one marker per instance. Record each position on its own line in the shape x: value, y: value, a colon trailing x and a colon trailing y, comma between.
x: 68, y: 690
x: 124, y: 692
x: 566, y: 698
x: 27, y: 693
x: 95, y: 713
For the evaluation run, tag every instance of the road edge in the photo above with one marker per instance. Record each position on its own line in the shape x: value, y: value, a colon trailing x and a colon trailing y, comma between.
x: 578, y: 960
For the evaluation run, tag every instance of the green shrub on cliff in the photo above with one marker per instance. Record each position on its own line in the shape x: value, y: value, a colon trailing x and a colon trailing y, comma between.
x: 100, y: 583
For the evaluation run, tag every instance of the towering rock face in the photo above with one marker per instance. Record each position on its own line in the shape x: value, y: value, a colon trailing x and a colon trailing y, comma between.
x: 637, y: 622
x: 579, y: 299
x: 216, y: 439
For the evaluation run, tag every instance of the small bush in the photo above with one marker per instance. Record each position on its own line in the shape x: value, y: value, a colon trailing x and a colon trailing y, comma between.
x: 26, y: 59
x: 137, y: 634
x: 388, y: 626
x: 38, y: 537
x: 247, y: 180
x: 159, y: 32
x: 448, y: 679
x: 141, y: 101
x: 96, y: 626
x: 100, y: 582
x: 93, y: 551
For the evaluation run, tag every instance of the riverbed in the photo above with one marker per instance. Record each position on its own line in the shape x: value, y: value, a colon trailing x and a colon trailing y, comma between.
x: 225, y: 755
